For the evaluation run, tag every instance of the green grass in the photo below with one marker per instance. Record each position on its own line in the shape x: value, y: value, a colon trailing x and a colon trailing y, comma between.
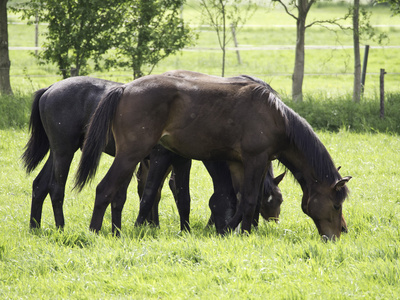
x: 280, y: 261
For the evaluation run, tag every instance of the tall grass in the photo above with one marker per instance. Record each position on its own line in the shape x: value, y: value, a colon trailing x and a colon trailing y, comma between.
x: 14, y: 110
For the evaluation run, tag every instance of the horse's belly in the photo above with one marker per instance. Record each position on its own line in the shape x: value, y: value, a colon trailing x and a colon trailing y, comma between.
x: 199, y: 147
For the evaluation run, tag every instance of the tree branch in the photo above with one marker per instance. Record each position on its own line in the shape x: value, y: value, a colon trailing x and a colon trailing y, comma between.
x: 286, y: 8
x: 309, y: 5
x: 329, y: 22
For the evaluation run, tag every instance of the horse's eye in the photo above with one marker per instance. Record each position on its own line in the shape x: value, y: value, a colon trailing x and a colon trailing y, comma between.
x: 337, y: 207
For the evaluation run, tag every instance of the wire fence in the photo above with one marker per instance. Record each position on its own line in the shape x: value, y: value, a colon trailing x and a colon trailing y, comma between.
x: 243, y: 48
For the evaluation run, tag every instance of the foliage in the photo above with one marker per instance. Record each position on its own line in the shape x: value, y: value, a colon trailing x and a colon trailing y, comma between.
x: 149, y: 32
x: 77, y: 30
x: 394, y: 5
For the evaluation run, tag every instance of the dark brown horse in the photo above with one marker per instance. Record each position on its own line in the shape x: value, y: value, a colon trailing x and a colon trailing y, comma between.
x: 240, y: 121
x: 59, y: 118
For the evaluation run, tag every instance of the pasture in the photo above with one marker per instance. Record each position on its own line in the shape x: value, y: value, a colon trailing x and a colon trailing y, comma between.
x: 280, y: 261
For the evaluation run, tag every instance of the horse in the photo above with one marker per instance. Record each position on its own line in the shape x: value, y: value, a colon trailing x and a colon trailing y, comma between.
x: 58, y: 122
x: 241, y: 121
x: 59, y: 117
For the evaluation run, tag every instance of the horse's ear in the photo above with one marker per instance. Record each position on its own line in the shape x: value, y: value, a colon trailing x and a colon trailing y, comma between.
x: 338, y: 168
x: 338, y: 185
x: 279, y: 178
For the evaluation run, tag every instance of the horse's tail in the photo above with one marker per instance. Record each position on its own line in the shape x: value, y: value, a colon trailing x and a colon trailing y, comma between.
x: 100, y: 129
x: 38, y: 144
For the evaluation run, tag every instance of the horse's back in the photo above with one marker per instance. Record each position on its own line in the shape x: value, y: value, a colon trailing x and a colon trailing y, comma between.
x: 66, y: 108
x: 201, y: 119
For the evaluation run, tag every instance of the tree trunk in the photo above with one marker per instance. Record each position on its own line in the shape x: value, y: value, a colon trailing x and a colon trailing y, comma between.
x: 223, y: 37
x: 298, y: 73
x: 5, y: 85
x: 357, y: 60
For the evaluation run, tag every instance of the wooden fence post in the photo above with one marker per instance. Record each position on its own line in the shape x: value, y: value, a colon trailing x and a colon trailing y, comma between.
x: 364, y: 69
x: 382, y: 93
x: 236, y: 44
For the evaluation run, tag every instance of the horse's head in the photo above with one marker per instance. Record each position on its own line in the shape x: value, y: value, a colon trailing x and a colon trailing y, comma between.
x: 323, y: 203
x: 271, y: 198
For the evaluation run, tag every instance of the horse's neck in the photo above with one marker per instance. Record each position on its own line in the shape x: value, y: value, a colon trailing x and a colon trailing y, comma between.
x: 298, y: 166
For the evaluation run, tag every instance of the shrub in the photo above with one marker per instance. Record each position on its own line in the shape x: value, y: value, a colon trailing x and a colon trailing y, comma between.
x: 331, y: 114
x: 321, y: 111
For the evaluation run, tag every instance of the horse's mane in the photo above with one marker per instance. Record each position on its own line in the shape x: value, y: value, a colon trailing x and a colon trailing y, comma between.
x: 303, y: 138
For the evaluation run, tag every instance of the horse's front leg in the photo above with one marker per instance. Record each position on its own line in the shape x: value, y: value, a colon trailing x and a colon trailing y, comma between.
x: 160, y: 162
x: 222, y: 202
x: 141, y: 175
x: 254, y: 172
x: 181, y: 167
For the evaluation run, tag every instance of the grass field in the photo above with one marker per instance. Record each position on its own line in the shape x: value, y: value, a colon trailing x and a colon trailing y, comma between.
x: 279, y: 261
x: 284, y: 261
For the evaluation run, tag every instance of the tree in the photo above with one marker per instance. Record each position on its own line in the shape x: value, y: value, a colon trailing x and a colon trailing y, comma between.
x: 5, y: 86
x: 77, y: 30
x: 150, y: 31
x: 220, y: 12
x: 303, y: 7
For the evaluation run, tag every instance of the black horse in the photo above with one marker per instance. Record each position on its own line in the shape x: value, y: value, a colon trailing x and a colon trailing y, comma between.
x: 59, y: 118
x: 240, y: 121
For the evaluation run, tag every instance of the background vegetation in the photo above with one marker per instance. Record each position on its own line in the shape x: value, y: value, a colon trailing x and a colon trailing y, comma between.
x: 280, y: 261
x: 328, y: 71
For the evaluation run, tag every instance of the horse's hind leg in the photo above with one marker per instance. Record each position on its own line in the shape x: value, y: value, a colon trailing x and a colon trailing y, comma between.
x: 40, y: 189
x: 118, y: 175
x: 117, y: 207
x: 61, y: 165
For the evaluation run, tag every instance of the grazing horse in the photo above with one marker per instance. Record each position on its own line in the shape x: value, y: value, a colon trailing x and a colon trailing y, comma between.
x: 58, y: 122
x: 240, y: 121
x: 59, y: 118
